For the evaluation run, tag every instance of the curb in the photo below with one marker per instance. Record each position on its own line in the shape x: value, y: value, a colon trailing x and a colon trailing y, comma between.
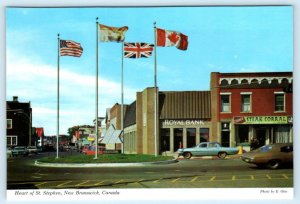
x: 88, y: 165
x: 237, y: 156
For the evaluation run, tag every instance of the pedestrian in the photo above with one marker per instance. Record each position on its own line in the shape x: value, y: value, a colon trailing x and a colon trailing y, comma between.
x: 254, y: 144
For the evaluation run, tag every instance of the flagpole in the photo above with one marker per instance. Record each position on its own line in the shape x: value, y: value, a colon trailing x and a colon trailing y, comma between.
x: 155, y: 94
x: 58, y: 61
x: 96, y: 124
x: 122, y: 99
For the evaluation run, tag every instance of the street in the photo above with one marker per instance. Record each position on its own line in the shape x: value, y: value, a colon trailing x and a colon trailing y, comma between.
x: 22, y: 173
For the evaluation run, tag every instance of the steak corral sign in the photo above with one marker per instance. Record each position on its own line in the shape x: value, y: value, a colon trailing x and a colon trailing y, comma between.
x: 263, y: 120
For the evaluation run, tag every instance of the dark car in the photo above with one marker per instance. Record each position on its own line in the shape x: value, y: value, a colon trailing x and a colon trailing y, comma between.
x: 271, y: 156
x: 19, y: 150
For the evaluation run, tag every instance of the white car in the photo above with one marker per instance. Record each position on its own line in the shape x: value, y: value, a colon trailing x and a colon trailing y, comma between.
x: 32, y: 150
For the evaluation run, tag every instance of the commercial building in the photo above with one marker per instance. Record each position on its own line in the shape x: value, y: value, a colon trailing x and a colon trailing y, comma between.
x: 247, y: 106
x: 183, y: 120
x: 238, y: 107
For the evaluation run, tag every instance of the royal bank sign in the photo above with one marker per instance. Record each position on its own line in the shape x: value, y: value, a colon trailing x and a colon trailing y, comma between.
x: 263, y: 120
x: 183, y: 122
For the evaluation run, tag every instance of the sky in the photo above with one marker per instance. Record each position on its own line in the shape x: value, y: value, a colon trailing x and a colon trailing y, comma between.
x: 221, y: 39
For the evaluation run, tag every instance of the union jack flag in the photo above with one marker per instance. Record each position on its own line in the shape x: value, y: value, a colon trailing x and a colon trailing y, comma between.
x: 137, y: 50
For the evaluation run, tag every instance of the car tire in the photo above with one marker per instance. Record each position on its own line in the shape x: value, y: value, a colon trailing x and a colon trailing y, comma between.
x: 187, y: 155
x: 222, y: 155
x: 273, y: 164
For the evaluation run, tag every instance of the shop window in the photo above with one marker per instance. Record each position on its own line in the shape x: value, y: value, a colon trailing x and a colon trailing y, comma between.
x: 191, y: 137
x: 246, y: 102
x: 204, y: 134
x: 279, y: 102
x: 242, y: 135
x: 178, y: 133
x: 9, y: 123
x: 165, y: 140
x: 225, y: 103
x: 281, y: 134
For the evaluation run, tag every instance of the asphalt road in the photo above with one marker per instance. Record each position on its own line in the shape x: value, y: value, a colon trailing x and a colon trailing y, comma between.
x: 194, y: 173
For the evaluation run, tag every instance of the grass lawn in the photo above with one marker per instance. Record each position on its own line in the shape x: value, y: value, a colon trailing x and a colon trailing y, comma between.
x: 106, y: 158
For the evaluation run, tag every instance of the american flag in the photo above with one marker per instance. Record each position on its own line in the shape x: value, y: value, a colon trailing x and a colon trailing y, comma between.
x: 137, y: 50
x: 70, y: 48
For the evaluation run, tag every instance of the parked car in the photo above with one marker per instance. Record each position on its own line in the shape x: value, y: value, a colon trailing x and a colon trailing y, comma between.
x: 271, y: 156
x: 73, y: 146
x: 84, y: 148
x: 19, y: 150
x: 92, y: 149
x: 207, y: 149
x: 32, y: 150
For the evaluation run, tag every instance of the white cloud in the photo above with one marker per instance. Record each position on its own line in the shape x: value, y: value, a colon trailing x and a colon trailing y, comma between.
x: 35, y: 81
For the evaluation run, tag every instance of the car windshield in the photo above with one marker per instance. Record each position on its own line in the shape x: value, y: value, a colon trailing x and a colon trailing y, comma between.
x: 265, y: 148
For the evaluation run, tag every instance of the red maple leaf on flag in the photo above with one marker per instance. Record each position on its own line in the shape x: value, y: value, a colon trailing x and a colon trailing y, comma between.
x: 173, y: 37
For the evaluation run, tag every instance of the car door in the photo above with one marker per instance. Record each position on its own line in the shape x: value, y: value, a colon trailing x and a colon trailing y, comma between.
x: 201, y: 150
x: 212, y: 149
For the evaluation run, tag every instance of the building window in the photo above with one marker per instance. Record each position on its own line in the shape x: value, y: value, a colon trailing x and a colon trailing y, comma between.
x: 11, y: 141
x: 225, y: 103
x: 246, y: 102
x: 204, y: 134
x: 279, y: 102
x: 165, y: 139
x: 281, y: 134
x: 178, y: 134
x: 9, y: 123
x: 191, y: 137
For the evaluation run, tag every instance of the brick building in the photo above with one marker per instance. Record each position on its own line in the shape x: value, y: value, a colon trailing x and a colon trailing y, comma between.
x: 19, y: 123
x: 252, y: 105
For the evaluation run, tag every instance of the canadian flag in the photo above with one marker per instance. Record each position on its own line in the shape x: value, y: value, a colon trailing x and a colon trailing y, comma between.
x: 39, y: 131
x: 167, y: 38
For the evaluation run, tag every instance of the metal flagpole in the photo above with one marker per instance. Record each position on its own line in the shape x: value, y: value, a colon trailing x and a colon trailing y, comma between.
x: 155, y: 94
x: 96, y: 122
x: 57, y: 133
x: 122, y: 98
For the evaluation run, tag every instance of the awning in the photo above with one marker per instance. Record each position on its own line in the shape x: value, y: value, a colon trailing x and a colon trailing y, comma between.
x: 112, y: 136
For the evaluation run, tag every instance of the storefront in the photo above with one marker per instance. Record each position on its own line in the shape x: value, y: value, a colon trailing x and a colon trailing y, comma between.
x: 266, y: 129
x: 175, y: 134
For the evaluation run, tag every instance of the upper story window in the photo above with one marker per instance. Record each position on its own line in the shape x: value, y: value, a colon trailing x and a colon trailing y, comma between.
x: 279, y: 102
x: 8, y: 123
x: 225, y: 102
x: 245, y: 102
